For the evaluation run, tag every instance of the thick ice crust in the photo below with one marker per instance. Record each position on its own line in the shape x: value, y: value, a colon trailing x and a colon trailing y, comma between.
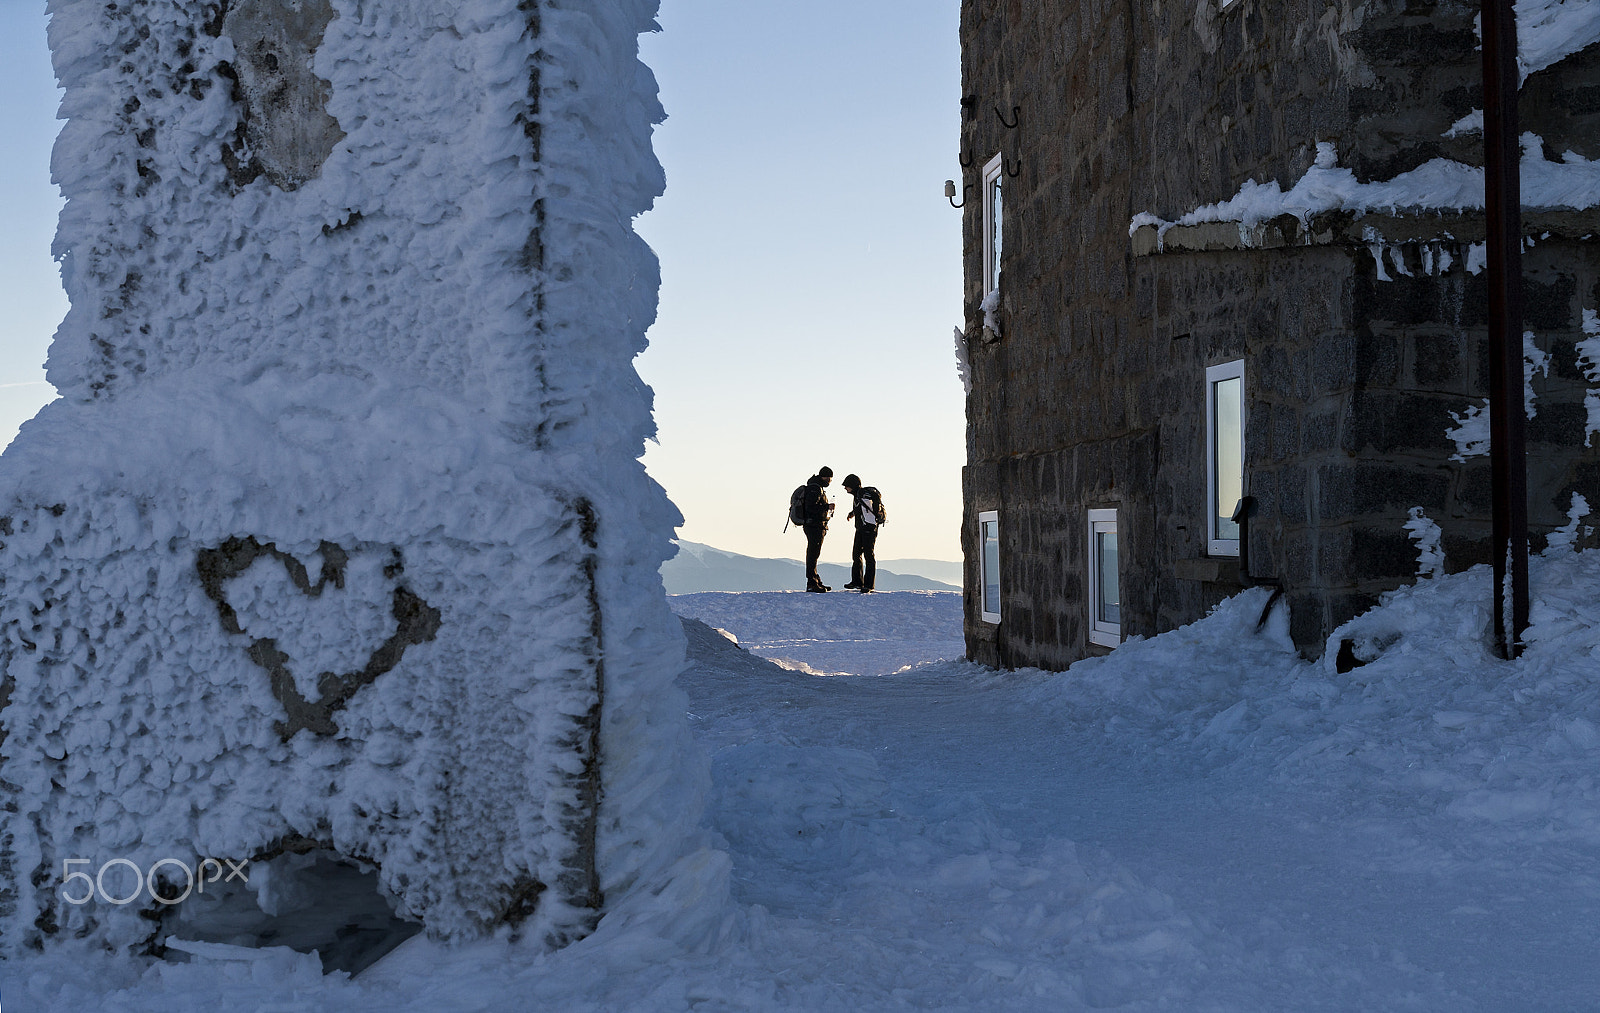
x: 390, y: 351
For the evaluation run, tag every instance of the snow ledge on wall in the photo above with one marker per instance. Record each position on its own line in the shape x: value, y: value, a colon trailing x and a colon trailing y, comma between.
x: 1437, y: 186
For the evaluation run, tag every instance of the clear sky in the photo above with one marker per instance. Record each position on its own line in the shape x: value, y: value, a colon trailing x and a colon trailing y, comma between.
x: 810, y: 264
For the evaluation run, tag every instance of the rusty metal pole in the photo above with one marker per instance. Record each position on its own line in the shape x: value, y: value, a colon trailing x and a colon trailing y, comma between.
x: 1503, y: 216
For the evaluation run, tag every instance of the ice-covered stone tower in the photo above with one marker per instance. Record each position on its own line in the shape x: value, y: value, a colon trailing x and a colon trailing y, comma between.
x: 336, y: 546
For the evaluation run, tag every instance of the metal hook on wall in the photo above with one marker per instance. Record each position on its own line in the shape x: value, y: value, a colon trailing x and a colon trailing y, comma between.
x: 950, y: 193
x: 1016, y: 117
x: 1005, y: 163
x: 965, y: 160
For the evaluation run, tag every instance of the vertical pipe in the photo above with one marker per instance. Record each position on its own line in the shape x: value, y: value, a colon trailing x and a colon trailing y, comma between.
x: 1503, y: 216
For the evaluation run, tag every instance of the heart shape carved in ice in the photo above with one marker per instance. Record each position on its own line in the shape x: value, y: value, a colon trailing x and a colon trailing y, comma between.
x: 349, y: 638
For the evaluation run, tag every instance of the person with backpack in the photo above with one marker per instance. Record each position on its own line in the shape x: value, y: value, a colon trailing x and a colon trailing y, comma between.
x: 809, y: 507
x: 867, y: 512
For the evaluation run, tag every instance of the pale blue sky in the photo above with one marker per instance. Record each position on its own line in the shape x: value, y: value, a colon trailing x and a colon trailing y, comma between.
x: 810, y: 265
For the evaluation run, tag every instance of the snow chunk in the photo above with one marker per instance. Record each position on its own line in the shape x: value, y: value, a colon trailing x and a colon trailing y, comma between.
x: 991, y: 310
x: 963, y: 363
x: 1425, y: 533
x: 1471, y: 434
x: 1472, y: 123
x: 1549, y: 31
x: 1535, y: 360
x: 1564, y: 538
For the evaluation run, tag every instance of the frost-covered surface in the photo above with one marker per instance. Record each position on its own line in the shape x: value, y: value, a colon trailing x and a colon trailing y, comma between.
x: 991, y: 310
x: 420, y: 356
x: 1573, y: 182
x: 139, y: 727
x: 963, y: 363
x: 1535, y: 361
x: 1199, y: 821
x: 1470, y: 433
x: 1566, y: 536
x: 1549, y: 31
x: 1589, y: 362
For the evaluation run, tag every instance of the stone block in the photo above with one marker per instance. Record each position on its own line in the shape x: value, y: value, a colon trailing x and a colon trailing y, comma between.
x: 1360, y: 488
x: 1382, y: 552
x: 1437, y: 362
x: 1547, y: 303
x: 1391, y: 421
x: 1294, y: 493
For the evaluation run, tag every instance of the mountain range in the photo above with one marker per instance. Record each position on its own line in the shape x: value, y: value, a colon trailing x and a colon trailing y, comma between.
x: 699, y: 567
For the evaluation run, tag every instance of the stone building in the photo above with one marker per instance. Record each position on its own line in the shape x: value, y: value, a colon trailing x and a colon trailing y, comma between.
x: 1221, y: 251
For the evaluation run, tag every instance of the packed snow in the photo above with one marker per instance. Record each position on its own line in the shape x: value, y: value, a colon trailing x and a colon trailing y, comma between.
x: 1572, y: 182
x: 1197, y: 821
x: 1549, y: 31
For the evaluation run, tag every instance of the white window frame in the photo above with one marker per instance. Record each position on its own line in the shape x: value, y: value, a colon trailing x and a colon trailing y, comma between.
x: 985, y: 518
x: 993, y: 173
x: 1215, y: 374
x: 1101, y: 632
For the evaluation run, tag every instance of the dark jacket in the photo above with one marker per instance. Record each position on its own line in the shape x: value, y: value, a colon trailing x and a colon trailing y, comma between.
x: 870, y: 496
x: 817, y: 508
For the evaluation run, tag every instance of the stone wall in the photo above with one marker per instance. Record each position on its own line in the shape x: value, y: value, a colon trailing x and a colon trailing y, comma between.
x: 1094, y: 394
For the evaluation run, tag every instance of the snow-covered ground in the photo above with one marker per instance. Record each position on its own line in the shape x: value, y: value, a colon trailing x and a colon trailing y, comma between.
x: 1200, y: 821
x: 836, y: 634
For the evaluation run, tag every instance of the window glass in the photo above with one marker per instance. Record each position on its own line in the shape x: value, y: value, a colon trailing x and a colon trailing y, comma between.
x: 1224, y: 455
x: 1229, y: 453
x: 1109, y: 599
x: 989, y: 528
x: 1105, y: 585
x: 993, y: 222
x: 996, y: 219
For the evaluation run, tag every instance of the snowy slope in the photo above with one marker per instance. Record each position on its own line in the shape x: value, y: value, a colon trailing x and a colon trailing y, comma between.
x: 1200, y: 821
x: 837, y: 634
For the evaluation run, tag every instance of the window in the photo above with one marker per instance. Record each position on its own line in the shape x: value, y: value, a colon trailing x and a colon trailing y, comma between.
x: 993, y: 173
x: 1105, y: 593
x: 989, y: 565
x: 1224, y: 455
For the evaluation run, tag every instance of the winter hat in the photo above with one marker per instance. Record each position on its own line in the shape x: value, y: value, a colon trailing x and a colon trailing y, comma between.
x: 852, y: 482
x: 826, y: 472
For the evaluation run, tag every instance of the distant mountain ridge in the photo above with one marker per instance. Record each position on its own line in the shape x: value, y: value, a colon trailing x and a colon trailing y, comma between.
x: 699, y: 567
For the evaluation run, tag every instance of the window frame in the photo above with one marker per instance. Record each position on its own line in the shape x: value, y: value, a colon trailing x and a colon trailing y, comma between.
x: 1233, y: 370
x: 993, y: 173
x: 1102, y: 633
x: 986, y: 518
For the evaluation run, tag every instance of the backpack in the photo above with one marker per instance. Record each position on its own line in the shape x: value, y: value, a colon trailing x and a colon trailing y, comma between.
x: 797, y: 506
x: 874, y: 503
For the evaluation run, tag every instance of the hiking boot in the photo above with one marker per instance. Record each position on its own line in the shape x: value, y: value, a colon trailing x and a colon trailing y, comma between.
x: 818, y: 588
x: 852, y: 586
x: 864, y: 590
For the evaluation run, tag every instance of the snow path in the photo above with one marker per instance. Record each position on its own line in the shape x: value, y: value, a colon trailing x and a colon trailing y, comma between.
x: 1239, y: 890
